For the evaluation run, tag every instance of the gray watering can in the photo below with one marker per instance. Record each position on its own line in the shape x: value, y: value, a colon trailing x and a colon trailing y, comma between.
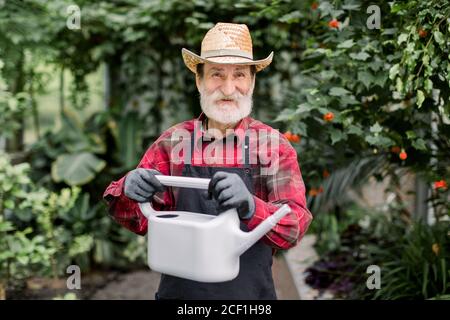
x: 197, y: 246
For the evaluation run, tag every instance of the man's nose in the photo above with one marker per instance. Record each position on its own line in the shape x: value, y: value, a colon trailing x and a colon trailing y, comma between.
x: 228, y: 87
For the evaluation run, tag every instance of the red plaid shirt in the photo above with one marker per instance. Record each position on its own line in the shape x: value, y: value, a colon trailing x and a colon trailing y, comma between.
x: 271, y: 190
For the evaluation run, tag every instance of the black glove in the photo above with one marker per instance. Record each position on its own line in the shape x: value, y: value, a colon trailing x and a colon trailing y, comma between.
x: 231, y: 192
x: 141, y: 184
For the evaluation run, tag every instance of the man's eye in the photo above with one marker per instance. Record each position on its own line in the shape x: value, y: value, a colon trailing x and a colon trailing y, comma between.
x: 216, y: 74
x: 240, y: 75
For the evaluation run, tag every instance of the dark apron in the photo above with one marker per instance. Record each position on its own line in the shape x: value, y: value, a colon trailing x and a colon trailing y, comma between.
x: 254, y: 281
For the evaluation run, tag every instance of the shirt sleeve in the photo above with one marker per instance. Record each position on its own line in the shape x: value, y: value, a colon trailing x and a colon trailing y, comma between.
x: 126, y: 211
x: 285, y: 186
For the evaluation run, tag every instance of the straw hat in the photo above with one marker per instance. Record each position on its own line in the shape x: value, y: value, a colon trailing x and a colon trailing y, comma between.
x: 227, y: 43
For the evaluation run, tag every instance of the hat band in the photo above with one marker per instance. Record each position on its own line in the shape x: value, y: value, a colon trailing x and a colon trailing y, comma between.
x: 226, y: 52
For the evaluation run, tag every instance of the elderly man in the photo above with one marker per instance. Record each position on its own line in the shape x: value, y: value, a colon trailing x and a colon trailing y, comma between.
x: 241, y: 178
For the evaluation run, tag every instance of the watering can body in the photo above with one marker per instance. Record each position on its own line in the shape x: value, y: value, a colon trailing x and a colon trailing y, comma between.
x: 197, y: 246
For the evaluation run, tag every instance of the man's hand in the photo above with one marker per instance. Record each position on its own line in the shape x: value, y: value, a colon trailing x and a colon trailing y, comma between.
x: 231, y: 192
x: 141, y: 184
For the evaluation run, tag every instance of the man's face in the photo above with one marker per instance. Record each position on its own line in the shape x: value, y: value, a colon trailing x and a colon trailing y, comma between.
x: 226, y: 92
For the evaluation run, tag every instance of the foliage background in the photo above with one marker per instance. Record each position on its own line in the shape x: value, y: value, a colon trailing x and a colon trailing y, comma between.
x: 363, y: 103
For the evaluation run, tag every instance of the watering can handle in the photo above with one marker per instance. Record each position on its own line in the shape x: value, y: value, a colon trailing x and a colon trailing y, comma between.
x: 174, y: 181
x: 183, y: 182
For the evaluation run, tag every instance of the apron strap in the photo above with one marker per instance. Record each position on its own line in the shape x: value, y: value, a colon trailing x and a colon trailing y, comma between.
x: 190, y: 154
x: 245, y: 149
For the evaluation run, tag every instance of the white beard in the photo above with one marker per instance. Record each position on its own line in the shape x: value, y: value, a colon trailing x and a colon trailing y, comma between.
x: 229, y: 113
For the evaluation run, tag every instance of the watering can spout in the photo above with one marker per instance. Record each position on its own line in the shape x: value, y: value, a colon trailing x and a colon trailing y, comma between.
x: 250, y: 238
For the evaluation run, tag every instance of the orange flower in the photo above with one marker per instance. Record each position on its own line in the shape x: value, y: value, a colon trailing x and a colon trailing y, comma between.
x: 325, y: 173
x: 441, y: 184
x: 320, y: 190
x: 288, y: 135
x: 422, y: 33
x: 333, y: 24
x: 395, y: 149
x: 295, y: 138
x: 403, y: 155
x: 314, y: 5
x: 313, y: 192
x: 435, y: 248
x: 328, y: 117
x: 292, y: 137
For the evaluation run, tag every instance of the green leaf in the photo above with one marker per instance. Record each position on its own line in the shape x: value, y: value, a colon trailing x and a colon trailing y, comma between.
x: 379, y: 141
x: 304, y: 107
x: 419, y: 144
x: 81, y: 244
x: 6, y: 226
x: 300, y: 128
x: 351, y: 7
x: 346, y: 44
x: 399, y: 85
x: 326, y: 75
x: 337, y: 92
x: 376, y: 65
x: 130, y: 139
x: 393, y: 71
x: 402, y: 38
x: 439, y: 37
x: 425, y: 279
x: 380, y: 79
x: 428, y: 85
x: 376, y: 128
x: 362, y: 56
x: 292, y: 17
x: 411, y: 134
x: 285, y: 115
x: 372, y: 140
x: 366, y: 78
x: 76, y: 169
x: 348, y: 100
x: 336, y: 135
x: 353, y: 129
x: 9, y: 204
x: 420, y: 98
x: 397, y: 7
x: 23, y: 260
x: 389, y: 31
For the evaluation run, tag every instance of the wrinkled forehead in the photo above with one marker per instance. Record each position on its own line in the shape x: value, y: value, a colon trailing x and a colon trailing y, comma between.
x: 225, y: 67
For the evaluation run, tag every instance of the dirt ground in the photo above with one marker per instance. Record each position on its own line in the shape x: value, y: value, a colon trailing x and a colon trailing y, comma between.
x: 133, y: 285
x: 142, y: 284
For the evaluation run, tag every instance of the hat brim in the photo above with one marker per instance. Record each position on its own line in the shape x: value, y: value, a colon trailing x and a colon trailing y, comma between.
x: 191, y: 60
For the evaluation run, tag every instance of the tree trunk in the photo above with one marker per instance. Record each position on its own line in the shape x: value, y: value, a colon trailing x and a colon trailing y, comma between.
x: 113, y: 92
x: 61, y: 92
x: 421, y: 205
x: 15, y: 144
x: 35, y: 113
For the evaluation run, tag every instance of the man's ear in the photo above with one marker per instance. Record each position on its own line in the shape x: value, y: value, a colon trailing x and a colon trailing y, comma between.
x: 252, y: 87
x: 197, y: 81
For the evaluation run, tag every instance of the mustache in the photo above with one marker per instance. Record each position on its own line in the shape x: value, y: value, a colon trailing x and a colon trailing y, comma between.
x: 218, y: 95
x: 209, y: 104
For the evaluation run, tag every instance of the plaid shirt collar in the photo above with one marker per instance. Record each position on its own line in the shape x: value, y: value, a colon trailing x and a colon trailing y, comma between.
x: 239, y: 130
